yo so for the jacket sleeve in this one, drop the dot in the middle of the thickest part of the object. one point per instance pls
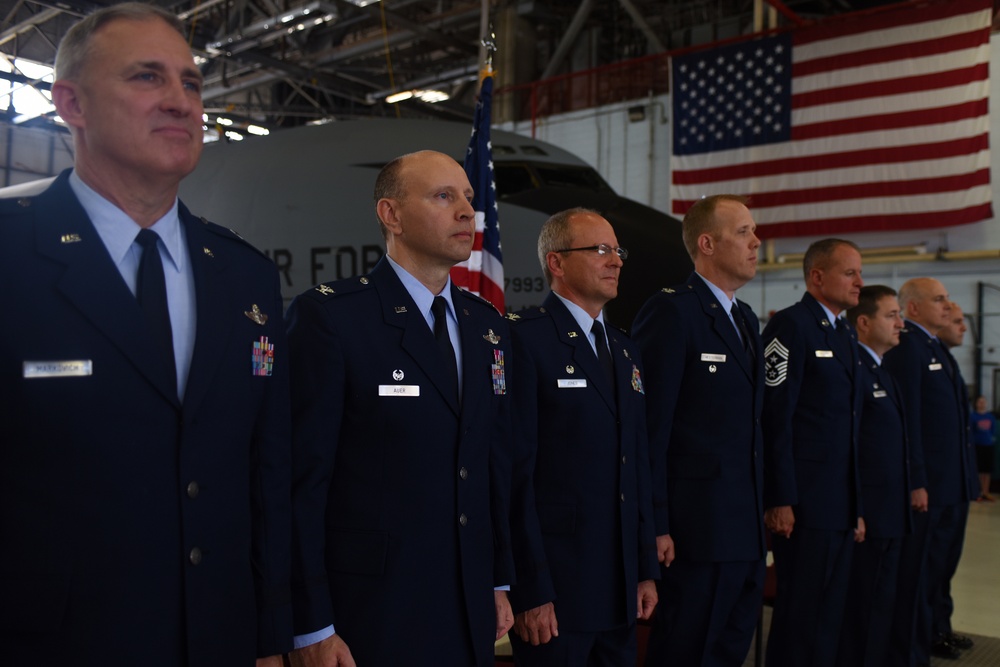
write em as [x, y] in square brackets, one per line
[903, 364]
[784, 363]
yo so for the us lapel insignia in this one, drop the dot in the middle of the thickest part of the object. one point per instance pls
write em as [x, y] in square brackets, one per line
[824, 322]
[491, 337]
[627, 355]
[572, 334]
[70, 238]
[713, 305]
[262, 359]
[257, 316]
[570, 370]
[325, 290]
[637, 380]
[208, 252]
[465, 311]
[497, 369]
[400, 309]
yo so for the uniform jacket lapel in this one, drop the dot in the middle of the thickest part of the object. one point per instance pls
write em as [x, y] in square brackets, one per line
[583, 354]
[844, 352]
[399, 310]
[92, 283]
[213, 311]
[721, 324]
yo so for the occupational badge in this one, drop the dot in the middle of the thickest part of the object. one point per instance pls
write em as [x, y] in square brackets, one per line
[398, 375]
[262, 357]
[256, 315]
[491, 337]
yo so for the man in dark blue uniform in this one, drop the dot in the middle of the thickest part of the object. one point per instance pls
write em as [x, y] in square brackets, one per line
[811, 416]
[883, 463]
[144, 472]
[401, 443]
[937, 416]
[584, 542]
[705, 390]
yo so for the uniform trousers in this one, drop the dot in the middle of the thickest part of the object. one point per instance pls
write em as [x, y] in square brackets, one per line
[707, 613]
[608, 648]
[871, 603]
[812, 572]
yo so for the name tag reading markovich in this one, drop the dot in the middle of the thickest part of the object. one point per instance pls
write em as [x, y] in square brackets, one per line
[399, 390]
[571, 384]
[58, 369]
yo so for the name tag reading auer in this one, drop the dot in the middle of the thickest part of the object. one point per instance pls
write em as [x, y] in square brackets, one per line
[58, 369]
[571, 384]
[399, 390]
[713, 357]
[824, 354]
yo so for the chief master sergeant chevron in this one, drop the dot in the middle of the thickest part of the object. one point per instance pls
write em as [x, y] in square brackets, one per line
[144, 473]
[401, 443]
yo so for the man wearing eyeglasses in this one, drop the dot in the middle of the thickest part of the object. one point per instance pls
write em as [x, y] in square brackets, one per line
[583, 538]
[704, 395]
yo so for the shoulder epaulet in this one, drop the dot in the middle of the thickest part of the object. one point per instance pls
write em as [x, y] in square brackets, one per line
[532, 313]
[476, 297]
[230, 234]
[15, 205]
[325, 291]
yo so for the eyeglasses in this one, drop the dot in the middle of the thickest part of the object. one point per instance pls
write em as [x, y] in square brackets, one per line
[602, 249]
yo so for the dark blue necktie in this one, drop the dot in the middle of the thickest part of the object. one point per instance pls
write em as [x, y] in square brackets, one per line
[440, 309]
[151, 291]
[603, 353]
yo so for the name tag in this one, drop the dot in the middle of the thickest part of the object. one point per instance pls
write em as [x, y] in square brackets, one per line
[713, 357]
[399, 390]
[824, 354]
[934, 367]
[58, 369]
[571, 384]
[880, 393]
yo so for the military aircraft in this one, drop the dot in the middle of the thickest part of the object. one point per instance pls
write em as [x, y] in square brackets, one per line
[304, 197]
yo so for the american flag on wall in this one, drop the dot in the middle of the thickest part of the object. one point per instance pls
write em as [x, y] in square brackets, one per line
[482, 274]
[875, 123]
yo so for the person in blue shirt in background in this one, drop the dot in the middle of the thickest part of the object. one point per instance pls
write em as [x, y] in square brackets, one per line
[983, 425]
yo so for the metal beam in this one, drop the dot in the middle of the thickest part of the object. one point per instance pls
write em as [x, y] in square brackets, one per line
[656, 46]
[575, 26]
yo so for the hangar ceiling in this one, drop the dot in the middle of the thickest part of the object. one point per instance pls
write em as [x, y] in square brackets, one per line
[282, 63]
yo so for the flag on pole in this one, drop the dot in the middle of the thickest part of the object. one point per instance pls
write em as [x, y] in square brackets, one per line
[482, 274]
[880, 122]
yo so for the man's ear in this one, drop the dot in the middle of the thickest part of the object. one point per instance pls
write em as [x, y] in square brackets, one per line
[706, 244]
[66, 98]
[388, 212]
[554, 261]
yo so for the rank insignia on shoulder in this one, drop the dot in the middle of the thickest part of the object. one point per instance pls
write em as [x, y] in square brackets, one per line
[256, 315]
[262, 359]
[775, 363]
[668, 290]
[513, 317]
[491, 337]
[364, 281]
[325, 290]
[637, 380]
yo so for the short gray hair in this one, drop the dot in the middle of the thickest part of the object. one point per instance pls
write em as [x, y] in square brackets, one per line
[74, 49]
[555, 235]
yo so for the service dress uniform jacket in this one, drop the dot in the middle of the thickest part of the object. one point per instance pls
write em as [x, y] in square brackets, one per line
[811, 419]
[705, 403]
[401, 492]
[583, 509]
[937, 417]
[137, 529]
[705, 394]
